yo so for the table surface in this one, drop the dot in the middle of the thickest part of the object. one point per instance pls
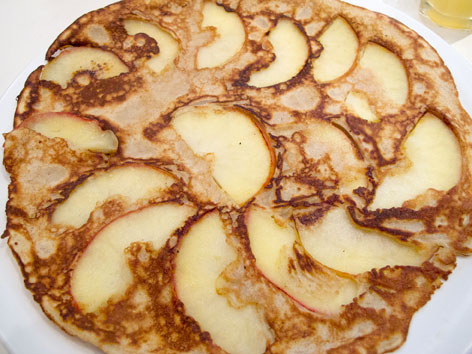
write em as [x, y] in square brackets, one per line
[28, 27]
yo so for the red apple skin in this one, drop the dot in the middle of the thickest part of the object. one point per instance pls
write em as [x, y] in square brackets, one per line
[71, 50]
[37, 117]
[268, 141]
[77, 258]
[127, 164]
[246, 221]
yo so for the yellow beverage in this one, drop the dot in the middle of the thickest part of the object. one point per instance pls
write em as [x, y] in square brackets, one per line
[449, 13]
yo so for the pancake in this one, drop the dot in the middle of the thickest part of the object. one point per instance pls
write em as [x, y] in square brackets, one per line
[238, 177]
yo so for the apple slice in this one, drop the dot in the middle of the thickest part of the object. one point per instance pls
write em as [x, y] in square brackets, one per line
[358, 104]
[239, 152]
[62, 69]
[433, 160]
[337, 242]
[291, 53]
[230, 36]
[79, 132]
[133, 182]
[340, 48]
[203, 256]
[102, 272]
[272, 244]
[168, 45]
[387, 71]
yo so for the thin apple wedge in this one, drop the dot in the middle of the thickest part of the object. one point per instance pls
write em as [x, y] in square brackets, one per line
[315, 287]
[62, 69]
[238, 150]
[203, 256]
[359, 105]
[337, 242]
[230, 36]
[387, 71]
[291, 53]
[340, 49]
[168, 45]
[79, 132]
[433, 160]
[101, 272]
[133, 182]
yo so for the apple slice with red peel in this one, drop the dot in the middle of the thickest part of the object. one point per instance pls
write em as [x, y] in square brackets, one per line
[132, 182]
[79, 132]
[337, 242]
[291, 53]
[273, 245]
[340, 49]
[168, 45]
[387, 71]
[101, 272]
[203, 255]
[238, 150]
[62, 69]
[230, 36]
[433, 160]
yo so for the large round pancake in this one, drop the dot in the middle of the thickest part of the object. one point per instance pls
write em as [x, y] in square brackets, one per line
[377, 320]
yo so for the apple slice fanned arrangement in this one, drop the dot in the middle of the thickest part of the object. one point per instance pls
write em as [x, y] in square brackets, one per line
[238, 177]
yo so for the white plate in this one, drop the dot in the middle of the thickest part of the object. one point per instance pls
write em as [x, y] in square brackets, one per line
[444, 325]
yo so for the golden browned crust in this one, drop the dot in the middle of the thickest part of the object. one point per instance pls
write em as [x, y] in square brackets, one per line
[139, 105]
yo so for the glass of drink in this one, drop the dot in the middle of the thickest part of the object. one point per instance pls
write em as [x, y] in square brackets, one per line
[449, 13]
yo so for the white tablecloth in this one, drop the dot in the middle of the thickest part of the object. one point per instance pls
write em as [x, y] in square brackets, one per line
[28, 27]
[460, 40]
